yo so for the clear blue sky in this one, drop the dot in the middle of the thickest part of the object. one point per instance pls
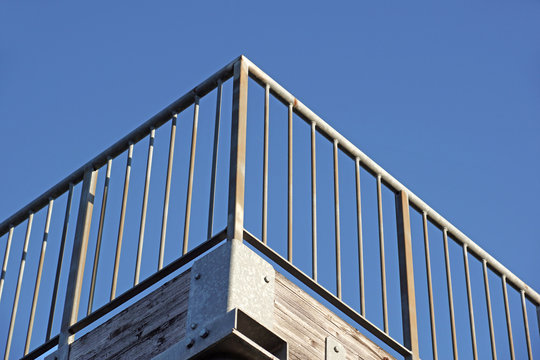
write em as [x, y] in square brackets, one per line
[443, 95]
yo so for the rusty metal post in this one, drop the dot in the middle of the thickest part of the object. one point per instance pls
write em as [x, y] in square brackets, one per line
[406, 275]
[235, 217]
[78, 258]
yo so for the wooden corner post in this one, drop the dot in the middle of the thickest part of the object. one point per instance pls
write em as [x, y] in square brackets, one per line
[78, 258]
[406, 275]
[235, 216]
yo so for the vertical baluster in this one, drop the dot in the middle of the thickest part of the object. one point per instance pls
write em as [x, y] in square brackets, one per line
[78, 260]
[526, 324]
[38, 277]
[313, 202]
[167, 194]
[99, 236]
[144, 205]
[488, 306]
[430, 287]
[214, 162]
[264, 219]
[508, 321]
[122, 222]
[336, 219]
[190, 176]
[470, 302]
[18, 288]
[406, 276]
[6, 258]
[290, 185]
[381, 254]
[59, 262]
[237, 173]
[360, 239]
[450, 296]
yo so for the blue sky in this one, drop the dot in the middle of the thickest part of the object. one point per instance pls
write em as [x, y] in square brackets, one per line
[444, 96]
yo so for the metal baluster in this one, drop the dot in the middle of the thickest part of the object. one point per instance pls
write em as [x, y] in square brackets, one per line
[264, 219]
[6, 258]
[190, 176]
[214, 162]
[381, 254]
[313, 202]
[430, 287]
[167, 194]
[290, 185]
[59, 263]
[470, 301]
[450, 296]
[99, 236]
[18, 288]
[508, 321]
[144, 205]
[526, 324]
[360, 240]
[488, 306]
[38, 277]
[122, 222]
[336, 219]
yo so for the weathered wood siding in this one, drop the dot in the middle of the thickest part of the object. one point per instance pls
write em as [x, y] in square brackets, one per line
[157, 321]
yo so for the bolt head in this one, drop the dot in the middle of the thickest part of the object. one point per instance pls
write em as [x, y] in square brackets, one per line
[197, 276]
[193, 326]
[267, 279]
[204, 333]
[190, 343]
[336, 348]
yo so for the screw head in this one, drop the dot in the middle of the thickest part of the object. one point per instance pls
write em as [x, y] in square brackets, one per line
[267, 279]
[197, 276]
[193, 326]
[190, 343]
[204, 333]
[336, 348]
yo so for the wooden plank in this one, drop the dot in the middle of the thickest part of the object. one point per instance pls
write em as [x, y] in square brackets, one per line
[305, 323]
[143, 330]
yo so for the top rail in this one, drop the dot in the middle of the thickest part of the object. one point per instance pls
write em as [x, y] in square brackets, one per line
[331, 134]
[120, 146]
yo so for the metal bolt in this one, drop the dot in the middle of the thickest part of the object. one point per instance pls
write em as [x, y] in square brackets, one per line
[204, 333]
[197, 276]
[190, 343]
[336, 348]
[267, 279]
[193, 326]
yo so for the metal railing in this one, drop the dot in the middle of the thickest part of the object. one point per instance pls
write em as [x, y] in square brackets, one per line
[242, 70]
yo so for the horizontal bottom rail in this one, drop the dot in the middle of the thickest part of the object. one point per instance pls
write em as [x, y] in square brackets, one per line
[328, 296]
[42, 349]
[151, 280]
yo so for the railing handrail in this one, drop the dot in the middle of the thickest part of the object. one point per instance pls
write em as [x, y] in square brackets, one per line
[120, 146]
[330, 133]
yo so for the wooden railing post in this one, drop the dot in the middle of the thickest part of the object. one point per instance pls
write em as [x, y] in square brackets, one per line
[406, 275]
[78, 258]
[235, 217]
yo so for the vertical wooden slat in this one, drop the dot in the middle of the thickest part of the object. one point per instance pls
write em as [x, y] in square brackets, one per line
[430, 287]
[490, 314]
[235, 217]
[264, 220]
[214, 162]
[122, 222]
[360, 239]
[167, 194]
[470, 302]
[450, 295]
[336, 220]
[406, 276]
[187, 218]
[526, 324]
[59, 262]
[144, 205]
[508, 320]
[6, 258]
[18, 288]
[38, 277]
[313, 202]
[381, 254]
[290, 184]
[78, 259]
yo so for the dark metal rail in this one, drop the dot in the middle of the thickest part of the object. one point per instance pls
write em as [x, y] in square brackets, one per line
[241, 69]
